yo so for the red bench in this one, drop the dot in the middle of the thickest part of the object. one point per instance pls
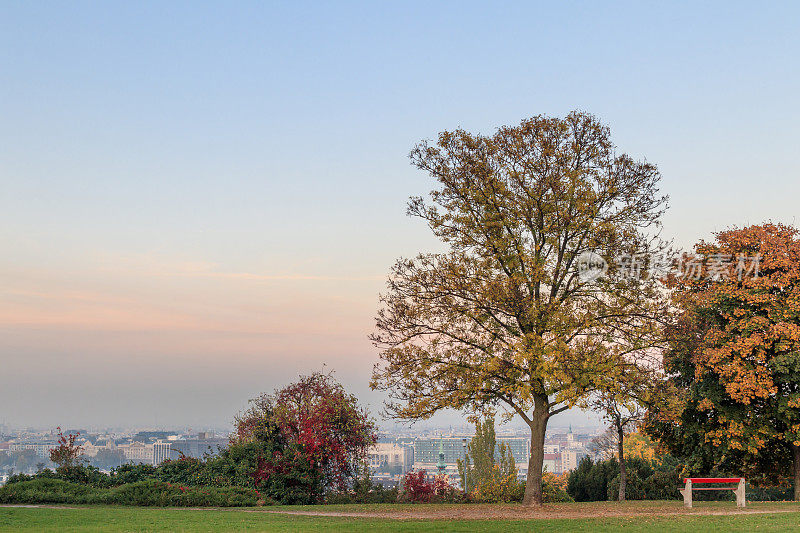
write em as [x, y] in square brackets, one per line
[738, 490]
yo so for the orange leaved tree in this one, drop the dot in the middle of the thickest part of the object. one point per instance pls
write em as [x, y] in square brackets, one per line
[736, 353]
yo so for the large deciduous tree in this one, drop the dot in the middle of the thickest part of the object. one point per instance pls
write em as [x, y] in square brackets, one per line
[502, 317]
[736, 354]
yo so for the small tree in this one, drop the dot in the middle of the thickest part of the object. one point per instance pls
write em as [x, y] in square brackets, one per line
[328, 423]
[67, 454]
[419, 489]
[314, 421]
[590, 480]
[623, 418]
[622, 398]
[488, 479]
[604, 446]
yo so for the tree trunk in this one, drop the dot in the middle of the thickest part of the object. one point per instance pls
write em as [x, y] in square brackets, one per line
[533, 483]
[623, 471]
[796, 465]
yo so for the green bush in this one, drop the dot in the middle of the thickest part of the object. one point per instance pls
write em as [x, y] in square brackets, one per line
[364, 493]
[160, 494]
[769, 494]
[141, 493]
[646, 480]
[663, 484]
[46, 490]
[552, 491]
[85, 474]
[589, 481]
[131, 473]
[639, 471]
[82, 474]
[233, 468]
[16, 478]
[186, 471]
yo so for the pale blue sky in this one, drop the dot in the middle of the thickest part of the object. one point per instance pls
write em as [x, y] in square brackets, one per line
[198, 201]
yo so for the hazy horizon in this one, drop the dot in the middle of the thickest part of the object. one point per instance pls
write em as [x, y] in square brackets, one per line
[199, 203]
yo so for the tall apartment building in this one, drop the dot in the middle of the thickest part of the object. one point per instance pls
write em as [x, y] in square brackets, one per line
[427, 450]
[162, 451]
[569, 460]
[520, 448]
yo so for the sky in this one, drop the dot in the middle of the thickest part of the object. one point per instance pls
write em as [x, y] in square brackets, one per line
[200, 201]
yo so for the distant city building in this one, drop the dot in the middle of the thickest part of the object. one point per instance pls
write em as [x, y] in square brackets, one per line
[519, 447]
[137, 452]
[42, 449]
[198, 448]
[562, 452]
[569, 460]
[391, 458]
[552, 462]
[147, 436]
[161, 452]
[427, 450]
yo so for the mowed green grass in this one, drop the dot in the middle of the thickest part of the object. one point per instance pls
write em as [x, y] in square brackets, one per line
[175, 519]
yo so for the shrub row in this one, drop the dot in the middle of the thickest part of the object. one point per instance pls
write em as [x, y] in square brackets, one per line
[652, 480]
[141, 493]
[599, 481]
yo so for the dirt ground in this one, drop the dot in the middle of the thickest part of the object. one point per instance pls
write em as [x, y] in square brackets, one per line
[568, 510]
[508, 511]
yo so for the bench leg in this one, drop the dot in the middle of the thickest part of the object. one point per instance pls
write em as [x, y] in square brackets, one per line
[740, 494]
[687, 494]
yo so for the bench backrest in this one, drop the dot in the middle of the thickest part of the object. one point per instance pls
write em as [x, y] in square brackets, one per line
[712, 479]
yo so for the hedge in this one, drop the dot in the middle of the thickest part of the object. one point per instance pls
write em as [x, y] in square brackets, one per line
[142, 493]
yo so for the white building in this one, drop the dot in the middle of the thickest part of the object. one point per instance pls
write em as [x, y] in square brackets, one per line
[137, 452]
[41, 449]
[552, 463]
[569, 460]
[386, 456]
[162, 451]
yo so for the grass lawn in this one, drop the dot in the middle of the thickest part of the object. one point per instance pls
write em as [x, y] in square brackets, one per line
[174, 519]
